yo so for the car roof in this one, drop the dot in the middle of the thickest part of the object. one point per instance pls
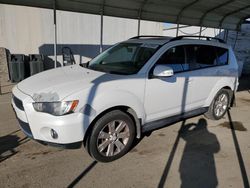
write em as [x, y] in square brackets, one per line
[151, 40]
[161, 40]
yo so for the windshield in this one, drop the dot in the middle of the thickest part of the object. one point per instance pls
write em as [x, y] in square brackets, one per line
[124, 58]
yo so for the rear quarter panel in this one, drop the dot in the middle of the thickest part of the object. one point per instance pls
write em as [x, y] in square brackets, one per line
[228, 77]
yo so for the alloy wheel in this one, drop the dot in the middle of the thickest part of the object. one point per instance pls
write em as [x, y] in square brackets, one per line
[113, 138]
[221, 105]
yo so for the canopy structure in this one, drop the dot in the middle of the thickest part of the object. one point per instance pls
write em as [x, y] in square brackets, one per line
[226, 14]
[223, 14]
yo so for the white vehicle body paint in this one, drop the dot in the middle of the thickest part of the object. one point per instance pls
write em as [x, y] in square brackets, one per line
[150, 99]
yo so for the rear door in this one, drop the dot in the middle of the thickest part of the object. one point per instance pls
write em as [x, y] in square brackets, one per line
[205, 64]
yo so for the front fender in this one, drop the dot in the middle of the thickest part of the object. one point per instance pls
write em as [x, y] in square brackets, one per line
[113, 98]
[101, 101]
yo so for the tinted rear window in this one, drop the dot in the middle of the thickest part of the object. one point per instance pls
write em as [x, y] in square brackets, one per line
[202, 56]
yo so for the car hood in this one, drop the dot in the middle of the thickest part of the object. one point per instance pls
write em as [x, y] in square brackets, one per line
[56, 84]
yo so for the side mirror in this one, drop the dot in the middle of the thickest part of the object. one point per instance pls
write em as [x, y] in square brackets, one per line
[163, 71]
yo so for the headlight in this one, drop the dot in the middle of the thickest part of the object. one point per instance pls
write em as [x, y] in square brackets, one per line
[56, 108]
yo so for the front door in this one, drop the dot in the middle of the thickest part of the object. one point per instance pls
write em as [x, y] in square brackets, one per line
[168, 96]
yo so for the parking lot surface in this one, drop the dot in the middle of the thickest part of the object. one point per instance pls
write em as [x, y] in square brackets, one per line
[194, 153]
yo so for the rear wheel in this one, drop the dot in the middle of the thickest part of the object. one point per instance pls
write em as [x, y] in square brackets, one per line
[111, 137]
[220, 105]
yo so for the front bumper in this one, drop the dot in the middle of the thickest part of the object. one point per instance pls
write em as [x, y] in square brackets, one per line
[75, 145]
[27, 131]
[36, 125]
[25, 128]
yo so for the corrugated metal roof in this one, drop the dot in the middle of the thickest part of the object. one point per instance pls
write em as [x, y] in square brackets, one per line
[228, 14]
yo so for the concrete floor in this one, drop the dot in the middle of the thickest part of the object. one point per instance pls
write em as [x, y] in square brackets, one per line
[204, 153]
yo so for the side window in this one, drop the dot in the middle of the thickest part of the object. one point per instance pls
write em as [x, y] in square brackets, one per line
[222, 56]
[200, 56]
[191, 57]
[205, 56]
[174, 58]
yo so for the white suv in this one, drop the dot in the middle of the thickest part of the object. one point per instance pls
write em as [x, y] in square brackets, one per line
[134, 87]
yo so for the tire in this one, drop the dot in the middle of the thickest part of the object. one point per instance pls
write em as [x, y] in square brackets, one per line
[111, 137]
[219, 105]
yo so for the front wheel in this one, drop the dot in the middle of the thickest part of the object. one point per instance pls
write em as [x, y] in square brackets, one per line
[220, 105]
[111, 137]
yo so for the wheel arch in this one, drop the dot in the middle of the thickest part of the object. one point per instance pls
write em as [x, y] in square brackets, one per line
[126, 109]
[231, 95]
[216, 89]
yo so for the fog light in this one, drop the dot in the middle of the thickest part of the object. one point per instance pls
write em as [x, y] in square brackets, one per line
[53, 134]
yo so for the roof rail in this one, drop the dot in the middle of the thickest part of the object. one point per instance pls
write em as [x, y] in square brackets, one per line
[191, 36]
[147, 36]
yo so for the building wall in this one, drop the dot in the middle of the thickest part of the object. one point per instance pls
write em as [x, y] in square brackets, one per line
[28, 30]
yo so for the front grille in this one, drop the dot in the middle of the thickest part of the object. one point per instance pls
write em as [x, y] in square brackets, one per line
[18, 103]
[26, 128]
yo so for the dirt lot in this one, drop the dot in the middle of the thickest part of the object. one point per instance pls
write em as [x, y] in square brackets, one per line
[203, 153]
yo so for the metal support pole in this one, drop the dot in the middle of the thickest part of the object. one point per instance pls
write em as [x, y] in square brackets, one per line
[220, 33]
[177, 30]
[101, 33]
[200, 31]
[55, 35]
[139, 27]
[227, 35]
[139, 23]
[236, 38]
